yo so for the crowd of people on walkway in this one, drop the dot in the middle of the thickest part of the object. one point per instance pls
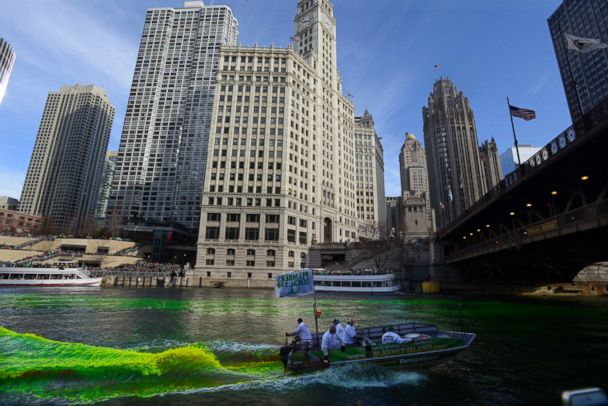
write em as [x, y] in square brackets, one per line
[145, 266]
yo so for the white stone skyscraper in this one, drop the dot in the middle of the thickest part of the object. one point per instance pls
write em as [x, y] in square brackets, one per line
[66, 167]
[369, 164]
[281, 168]
[163, 149]
[7, 60]
[418, 217]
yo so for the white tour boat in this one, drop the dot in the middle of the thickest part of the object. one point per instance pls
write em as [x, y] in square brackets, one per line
[364, 281]
[41, 277]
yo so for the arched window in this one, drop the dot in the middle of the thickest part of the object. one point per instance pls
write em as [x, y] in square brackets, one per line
[271, 253]
[230, 251]
[210, 251]
[251, 252]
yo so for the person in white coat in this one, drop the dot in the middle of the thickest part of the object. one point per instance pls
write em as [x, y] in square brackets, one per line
[303, 332]
[390, 337]
[339, 328]
[331, 340]
[349, 337]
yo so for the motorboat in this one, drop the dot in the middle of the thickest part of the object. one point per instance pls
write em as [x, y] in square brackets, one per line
[424, 345]
[46, 277]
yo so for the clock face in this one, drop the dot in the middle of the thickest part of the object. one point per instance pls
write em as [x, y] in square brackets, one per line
[571, 135]
[326, 21]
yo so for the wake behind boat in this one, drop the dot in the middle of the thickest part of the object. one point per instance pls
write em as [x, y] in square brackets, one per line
[46, 277]
[426, 346]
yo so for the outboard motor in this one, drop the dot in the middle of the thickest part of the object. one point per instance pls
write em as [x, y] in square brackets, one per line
[284, 354]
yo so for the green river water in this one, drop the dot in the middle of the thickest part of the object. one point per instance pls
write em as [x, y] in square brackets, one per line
[219, 346]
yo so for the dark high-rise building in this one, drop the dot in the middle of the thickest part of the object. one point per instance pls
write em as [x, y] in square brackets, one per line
[456, 179]
[587, 71]
[160, 168]
[65, 170]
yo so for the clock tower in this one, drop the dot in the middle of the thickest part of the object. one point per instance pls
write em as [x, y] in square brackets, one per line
[315, 36]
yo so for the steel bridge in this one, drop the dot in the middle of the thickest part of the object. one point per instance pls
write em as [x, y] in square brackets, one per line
[546, 220]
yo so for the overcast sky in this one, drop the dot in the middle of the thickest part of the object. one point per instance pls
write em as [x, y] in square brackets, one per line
[387, 50]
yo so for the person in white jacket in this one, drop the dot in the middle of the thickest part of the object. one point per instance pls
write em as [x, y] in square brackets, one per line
[339, 328]
[349, 337]
[330, 340]
[303, 332]
[391, 337]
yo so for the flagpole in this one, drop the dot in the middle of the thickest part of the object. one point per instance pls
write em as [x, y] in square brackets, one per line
[316, 320]
[514, 135]
[574, 82]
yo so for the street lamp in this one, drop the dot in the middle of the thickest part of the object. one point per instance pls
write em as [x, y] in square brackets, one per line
[554, 193]
[584, 178]
[511, 213]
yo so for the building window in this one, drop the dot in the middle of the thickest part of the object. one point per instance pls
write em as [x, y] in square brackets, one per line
[252, 234]
[253, 218]
[303, 237]
[271, 253]
[212, 233]
[272, 218]
[230, 251]
[230, 262]
[269, 275]
[272, 234]
[232, 233]
[210, 251]
[290, 264]
[234, 217]
[210, 262]
[213, 216]
[208, 274]
[291, 220]
[291, 254]
[249, 275]
[250, 263]
[270, 264]
[291, 235]
[229, 274]
[250, 252]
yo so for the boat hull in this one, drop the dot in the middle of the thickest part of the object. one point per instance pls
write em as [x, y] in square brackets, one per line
[92, 282]
[14, 277]
[436, 347]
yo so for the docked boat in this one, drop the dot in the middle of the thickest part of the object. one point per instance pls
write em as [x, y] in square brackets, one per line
[43, 277]
[361, 281]
[425, 345]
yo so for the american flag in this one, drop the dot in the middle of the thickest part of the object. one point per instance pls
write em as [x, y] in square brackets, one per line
[526, 114]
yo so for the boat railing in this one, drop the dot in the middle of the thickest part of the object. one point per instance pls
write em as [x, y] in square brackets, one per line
[374, 334]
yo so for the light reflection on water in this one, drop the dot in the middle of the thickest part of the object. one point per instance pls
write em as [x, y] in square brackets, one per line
[528, 350]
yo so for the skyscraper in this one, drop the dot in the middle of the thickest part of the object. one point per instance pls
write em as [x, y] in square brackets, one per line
[412, 166]
[490, 163]
[417, 213]
[369, 164]
[163, 149]
[7, 60]
[508, 159]
[456, 179]
[64, 174]
[281, 167]
[109, 166]
[587, 71]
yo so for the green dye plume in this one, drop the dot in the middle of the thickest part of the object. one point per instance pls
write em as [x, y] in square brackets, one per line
[35, 366]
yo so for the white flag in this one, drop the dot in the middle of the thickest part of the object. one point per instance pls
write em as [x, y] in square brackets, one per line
[584, 45]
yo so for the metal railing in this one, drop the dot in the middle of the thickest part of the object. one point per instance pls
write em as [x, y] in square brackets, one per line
[597, 116]
[518, 236]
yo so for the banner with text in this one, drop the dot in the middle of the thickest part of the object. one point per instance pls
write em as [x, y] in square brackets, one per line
[294, 284]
